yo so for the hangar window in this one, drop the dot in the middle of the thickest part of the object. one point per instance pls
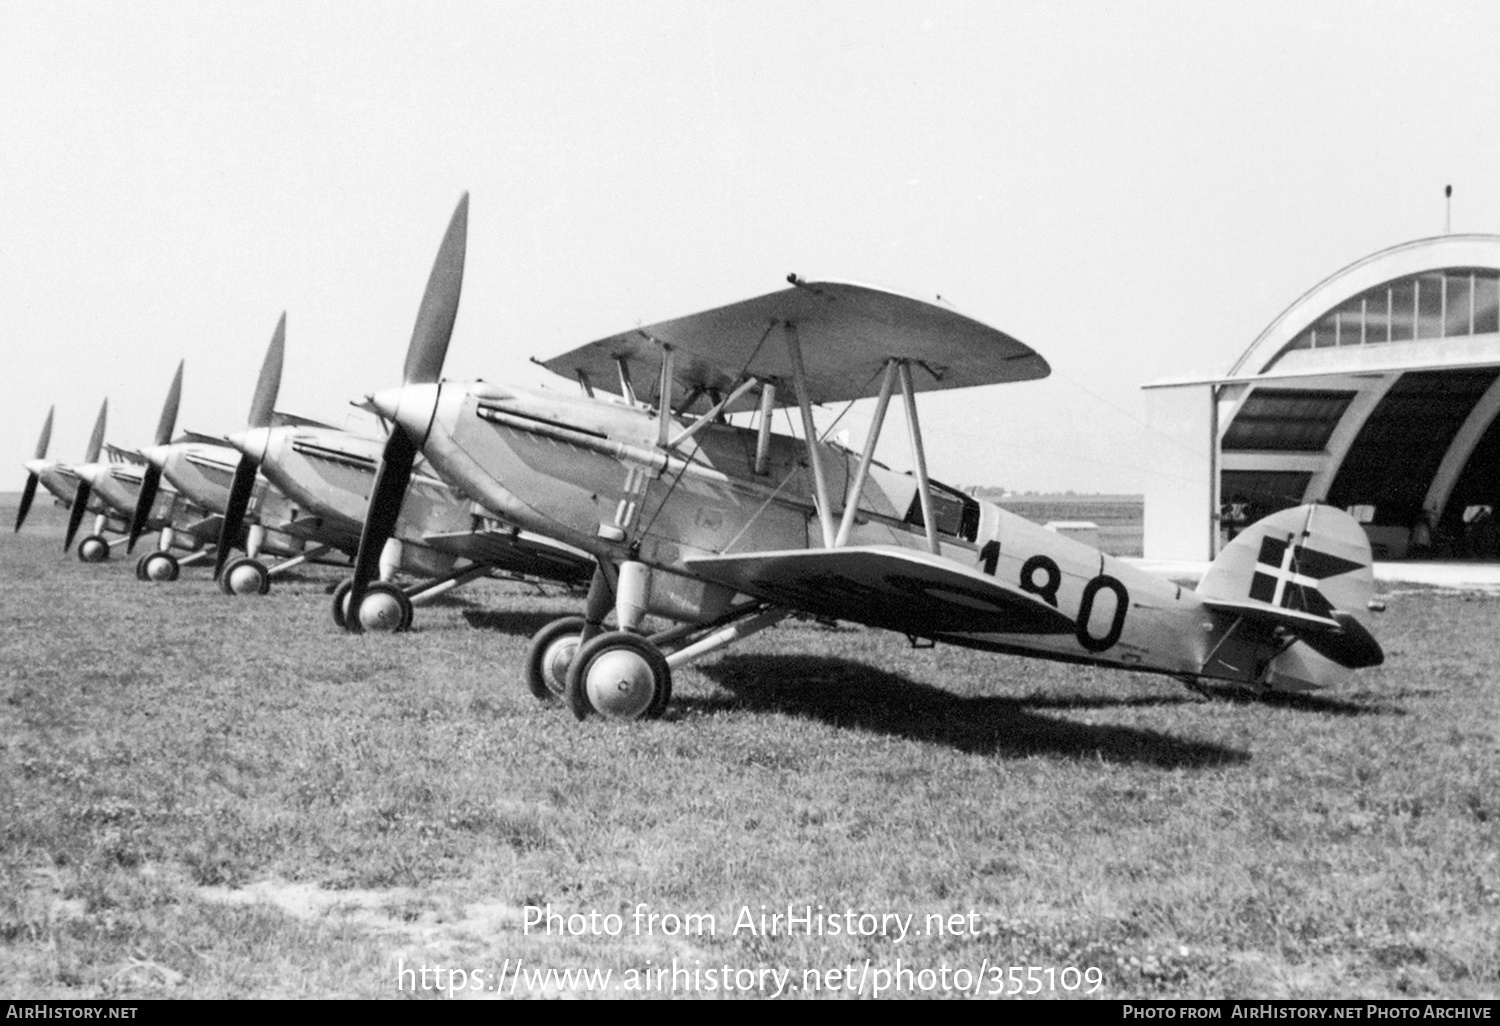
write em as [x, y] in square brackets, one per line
[1262, 492]
[1448, 303]
[1286, 420]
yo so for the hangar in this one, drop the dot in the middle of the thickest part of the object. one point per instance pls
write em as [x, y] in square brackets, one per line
[1377, 391]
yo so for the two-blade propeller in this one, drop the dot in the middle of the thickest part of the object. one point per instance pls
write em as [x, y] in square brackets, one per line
[424, 365]
[81, 498]
[32, 477]
[151, 480]
[262, 406]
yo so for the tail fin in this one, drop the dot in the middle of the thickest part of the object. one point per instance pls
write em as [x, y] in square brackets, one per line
[1305, 572]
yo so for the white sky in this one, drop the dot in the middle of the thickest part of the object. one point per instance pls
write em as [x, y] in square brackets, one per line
[1134, 189]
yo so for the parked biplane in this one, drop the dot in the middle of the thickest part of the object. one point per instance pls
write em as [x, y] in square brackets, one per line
[105, 488]
[203, 469]
[126, 485]
[326, 473]
[726, 529]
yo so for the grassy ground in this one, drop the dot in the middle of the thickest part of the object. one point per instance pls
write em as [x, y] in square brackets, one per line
[212, 797]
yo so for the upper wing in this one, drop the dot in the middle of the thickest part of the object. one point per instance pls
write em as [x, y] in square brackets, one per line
[118, 454]
[847, 333]
[904, 590]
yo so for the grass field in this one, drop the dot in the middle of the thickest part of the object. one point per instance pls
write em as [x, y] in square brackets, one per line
[212, 797]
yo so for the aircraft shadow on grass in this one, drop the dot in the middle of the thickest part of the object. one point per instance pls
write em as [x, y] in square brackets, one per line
[847, 694]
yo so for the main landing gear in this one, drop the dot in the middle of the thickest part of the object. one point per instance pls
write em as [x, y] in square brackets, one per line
[624, 674]
[389, 607]
[385, 607]
[249, 576]
[93, 549]
[157, 566]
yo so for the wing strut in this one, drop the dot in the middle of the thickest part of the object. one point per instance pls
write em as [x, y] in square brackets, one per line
[763, 433]
[924, 485]
[664, 398]
[708, 418]
[851, 504]
[810, 433]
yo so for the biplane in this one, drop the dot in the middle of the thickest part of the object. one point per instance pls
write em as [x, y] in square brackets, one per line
[326, 473]
[107, 488]
[724, 529]
[265, 523]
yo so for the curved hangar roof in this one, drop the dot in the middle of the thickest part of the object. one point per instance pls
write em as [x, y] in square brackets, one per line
[1378, 388]
[1414, 305]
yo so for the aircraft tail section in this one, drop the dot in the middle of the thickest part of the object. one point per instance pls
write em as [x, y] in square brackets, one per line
[1300, 575]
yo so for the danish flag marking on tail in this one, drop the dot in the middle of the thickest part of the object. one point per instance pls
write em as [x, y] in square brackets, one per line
[1287, 575]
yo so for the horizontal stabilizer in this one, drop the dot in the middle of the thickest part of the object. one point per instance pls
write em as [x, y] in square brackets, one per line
[897, 589]
[1306, 570]
[1338, 636]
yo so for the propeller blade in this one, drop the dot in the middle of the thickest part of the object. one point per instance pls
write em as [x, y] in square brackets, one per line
[42, 442]
[429, 339]
[380, 522]
[269, 383]
[150, 482]
[234, 513]
[96, 440]
[26, 496]
[75, 515]
[168, 422]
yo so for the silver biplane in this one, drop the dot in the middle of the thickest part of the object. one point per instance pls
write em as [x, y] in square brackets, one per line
[326, 475]
[727, 529]
[203, 469]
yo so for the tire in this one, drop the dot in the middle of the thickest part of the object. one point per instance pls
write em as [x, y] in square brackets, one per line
[619, 675]
[341, 602]
[391, 611]
[93, 549]
[548, 653]
[158, 566]
[245, 576]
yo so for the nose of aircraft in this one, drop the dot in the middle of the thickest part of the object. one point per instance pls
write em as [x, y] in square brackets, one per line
[93, 473]
[411, 406]
[253, 442]
[157, 455]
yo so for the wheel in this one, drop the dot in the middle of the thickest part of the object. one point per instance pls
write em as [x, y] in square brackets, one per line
[550, 654]
[157, 566]
[620, 675]
[341, 602]
[93, 549]
[385, 608]
[245, 576]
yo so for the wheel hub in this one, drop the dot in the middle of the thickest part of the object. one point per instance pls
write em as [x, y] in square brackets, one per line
[621, 684]
[158, 569]
[556, 662]
[380, 612]
[244, 580]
